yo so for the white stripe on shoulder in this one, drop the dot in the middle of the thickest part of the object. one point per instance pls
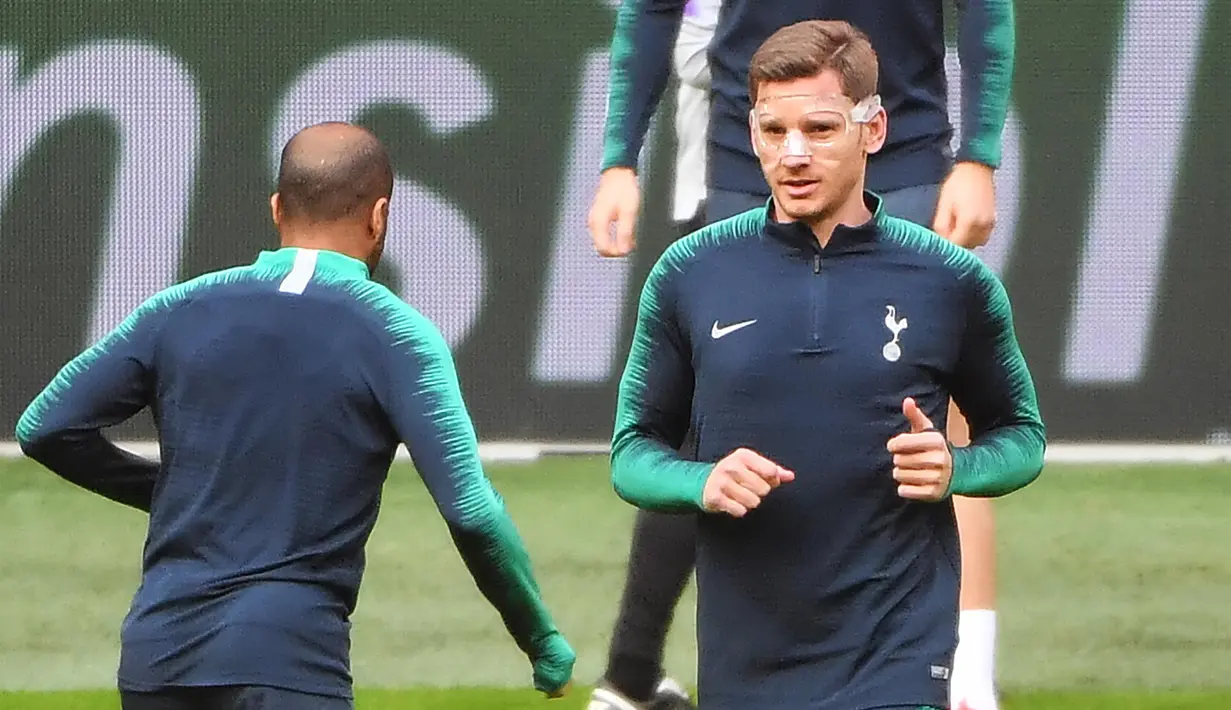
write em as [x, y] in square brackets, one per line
[301, 272]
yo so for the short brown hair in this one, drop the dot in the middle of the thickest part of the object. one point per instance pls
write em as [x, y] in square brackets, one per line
[808, 48]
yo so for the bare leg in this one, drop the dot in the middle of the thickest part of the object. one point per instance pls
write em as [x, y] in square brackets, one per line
[974, 666]
[976, 527]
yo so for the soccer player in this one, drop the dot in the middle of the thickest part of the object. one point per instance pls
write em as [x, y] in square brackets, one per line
[281, 391]
[915, 174]
[807, 346]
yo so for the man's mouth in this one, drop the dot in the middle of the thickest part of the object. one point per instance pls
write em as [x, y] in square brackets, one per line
[799, 187]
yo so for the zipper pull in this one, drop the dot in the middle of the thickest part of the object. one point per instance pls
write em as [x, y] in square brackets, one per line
[816, 263]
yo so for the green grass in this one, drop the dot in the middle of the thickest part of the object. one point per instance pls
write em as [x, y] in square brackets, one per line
[1112, 579]
[488, 698]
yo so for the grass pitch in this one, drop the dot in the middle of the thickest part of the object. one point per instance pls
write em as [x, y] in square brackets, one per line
[1113, 591]
[490, 698]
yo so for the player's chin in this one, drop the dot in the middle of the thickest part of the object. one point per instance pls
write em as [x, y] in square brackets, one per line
[802, 208]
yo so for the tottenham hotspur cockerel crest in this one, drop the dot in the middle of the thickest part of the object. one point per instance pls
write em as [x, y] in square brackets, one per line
[892, 351]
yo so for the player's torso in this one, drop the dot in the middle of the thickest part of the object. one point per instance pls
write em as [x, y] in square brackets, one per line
[791, 346]
[275, 452]
[844, 589]
[903, 32]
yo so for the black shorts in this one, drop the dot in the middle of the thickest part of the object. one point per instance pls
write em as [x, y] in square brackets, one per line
[239, 697]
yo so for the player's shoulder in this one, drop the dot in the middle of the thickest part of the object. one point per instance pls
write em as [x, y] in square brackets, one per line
[378, 299]
[401, 322]
[711, 241]
[932, 249]
[196, 287]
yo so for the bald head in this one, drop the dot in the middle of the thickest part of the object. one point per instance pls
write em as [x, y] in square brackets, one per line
[333, 172]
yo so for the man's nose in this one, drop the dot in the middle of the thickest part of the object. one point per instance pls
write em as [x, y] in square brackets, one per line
[796, 160]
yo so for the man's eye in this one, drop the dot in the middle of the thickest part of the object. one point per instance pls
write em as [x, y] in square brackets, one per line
[823, 128]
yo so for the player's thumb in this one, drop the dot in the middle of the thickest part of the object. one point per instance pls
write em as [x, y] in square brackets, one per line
[918, 420]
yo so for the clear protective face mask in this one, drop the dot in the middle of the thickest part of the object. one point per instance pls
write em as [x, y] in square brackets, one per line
[808, 125]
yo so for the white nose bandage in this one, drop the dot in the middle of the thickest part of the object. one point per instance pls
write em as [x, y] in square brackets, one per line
[796, 145]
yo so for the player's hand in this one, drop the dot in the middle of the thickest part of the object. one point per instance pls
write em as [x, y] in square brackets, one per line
[562, 692]
[739, 482]
[966, 208]
[922, 462]
[617, 200]
[553, 667]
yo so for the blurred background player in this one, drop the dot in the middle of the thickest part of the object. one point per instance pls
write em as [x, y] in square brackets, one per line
[663, 562]
[916, 173]
[281, 392]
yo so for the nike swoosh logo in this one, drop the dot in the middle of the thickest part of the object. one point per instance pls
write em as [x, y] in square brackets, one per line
[717, 332]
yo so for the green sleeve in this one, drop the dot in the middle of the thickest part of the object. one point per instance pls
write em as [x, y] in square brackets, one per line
[986, 48]
[993, 388]
[425, 405]
[641, 47]
[655, 403]
[107, 384]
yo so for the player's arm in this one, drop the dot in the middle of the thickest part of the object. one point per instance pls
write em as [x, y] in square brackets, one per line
[992, 386]
[986, 48]
[425, 405]
[641, 54]
[654, 404]
[103, 386]
[640, 62]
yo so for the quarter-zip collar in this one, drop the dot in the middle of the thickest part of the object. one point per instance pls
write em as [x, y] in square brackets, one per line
[845, 238]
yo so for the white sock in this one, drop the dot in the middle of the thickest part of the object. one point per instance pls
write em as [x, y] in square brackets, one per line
[974, 663]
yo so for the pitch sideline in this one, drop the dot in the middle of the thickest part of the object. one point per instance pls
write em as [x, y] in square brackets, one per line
[511, 452]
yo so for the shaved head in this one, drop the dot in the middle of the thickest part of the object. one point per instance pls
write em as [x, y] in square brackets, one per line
[333, 172]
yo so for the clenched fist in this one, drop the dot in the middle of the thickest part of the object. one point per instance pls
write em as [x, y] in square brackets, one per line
[617, 202]
[739, 482]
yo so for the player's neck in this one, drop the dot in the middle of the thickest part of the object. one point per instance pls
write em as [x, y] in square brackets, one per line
[851, 213]
[341, 239]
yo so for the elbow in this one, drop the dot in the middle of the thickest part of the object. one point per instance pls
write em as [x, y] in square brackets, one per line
[633, 494]
[1032, 473]
[621, 481]
[32, 449]
[32, 438]
[619, 484]
[1039, 431]
[1035, 453]
[632, 486]
[619, 478]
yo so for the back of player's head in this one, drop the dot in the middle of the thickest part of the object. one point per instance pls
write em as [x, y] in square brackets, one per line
[333, 172]
[808, 48]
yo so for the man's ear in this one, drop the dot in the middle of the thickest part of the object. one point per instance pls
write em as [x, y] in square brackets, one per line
[379, 219]
[275, 209]
[875, 132]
